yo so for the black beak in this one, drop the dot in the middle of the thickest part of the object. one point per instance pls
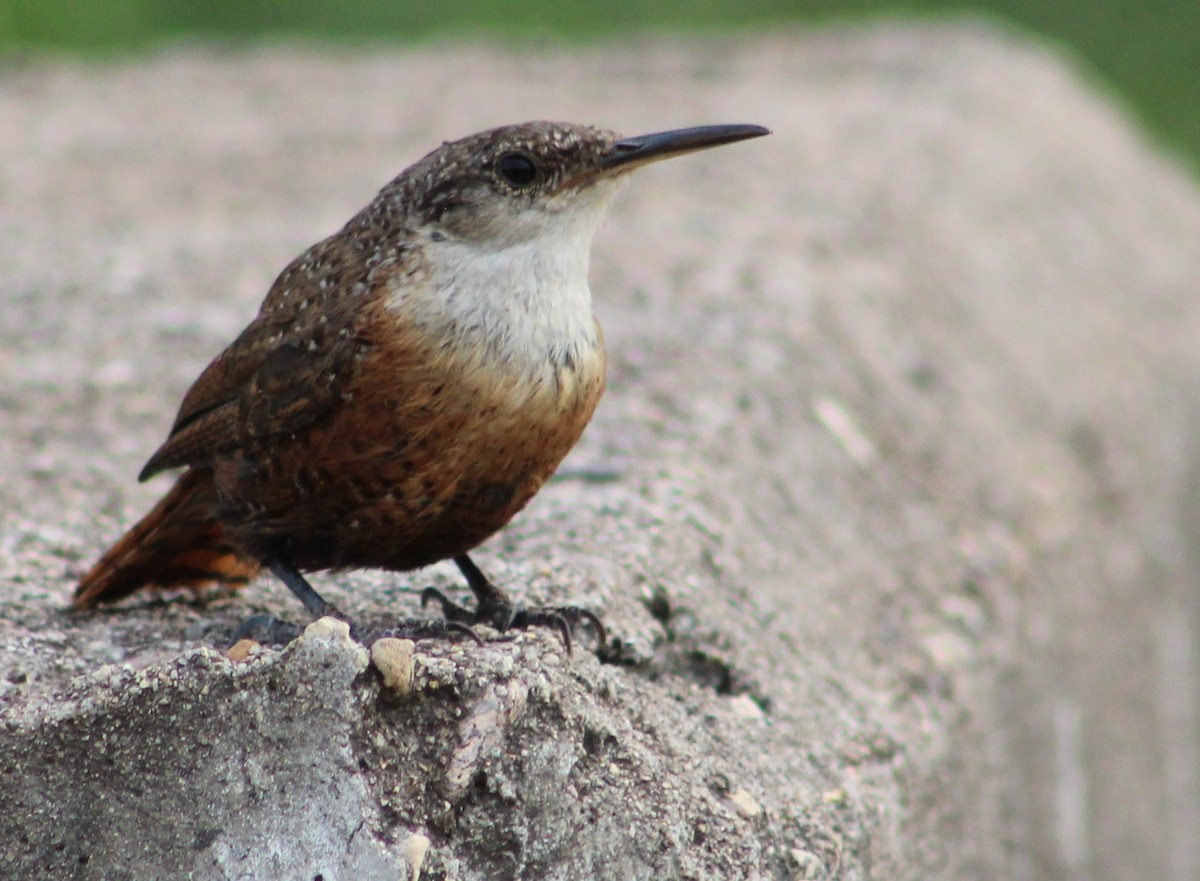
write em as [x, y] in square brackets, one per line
[629, 153]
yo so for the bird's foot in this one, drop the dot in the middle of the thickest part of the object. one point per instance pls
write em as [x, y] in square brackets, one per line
[424, 628]
[269, 630]
[266, 629]
[496, 611]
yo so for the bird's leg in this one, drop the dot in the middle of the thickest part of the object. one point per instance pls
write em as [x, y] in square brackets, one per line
[316, 604]
[494, 608]
[268, 629]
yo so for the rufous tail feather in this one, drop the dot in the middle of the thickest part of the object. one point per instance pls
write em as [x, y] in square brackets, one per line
[178, 544]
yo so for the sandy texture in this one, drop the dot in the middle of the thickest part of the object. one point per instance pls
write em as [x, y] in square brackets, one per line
[893, 498]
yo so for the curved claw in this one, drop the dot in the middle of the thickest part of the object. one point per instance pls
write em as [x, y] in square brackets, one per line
[564, 620]
[459, 627]
[571, 617]
[452, 612]
[564, 629]
[590, 618]
[432, 593]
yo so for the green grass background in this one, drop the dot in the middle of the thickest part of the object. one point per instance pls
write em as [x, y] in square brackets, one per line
[1148, 51]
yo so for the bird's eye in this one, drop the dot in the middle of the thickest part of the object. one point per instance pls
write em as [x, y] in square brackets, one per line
[517, 169]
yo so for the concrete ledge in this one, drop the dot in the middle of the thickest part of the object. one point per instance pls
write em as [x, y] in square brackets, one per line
[893, 497]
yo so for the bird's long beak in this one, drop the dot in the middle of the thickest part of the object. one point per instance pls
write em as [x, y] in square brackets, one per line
[629, 153]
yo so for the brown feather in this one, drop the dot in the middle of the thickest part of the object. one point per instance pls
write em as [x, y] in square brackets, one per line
[340, 429]
[178, 544]
[428, 453]
[283, 371]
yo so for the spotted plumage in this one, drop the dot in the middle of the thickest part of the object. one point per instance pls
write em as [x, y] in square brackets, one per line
[408, 384]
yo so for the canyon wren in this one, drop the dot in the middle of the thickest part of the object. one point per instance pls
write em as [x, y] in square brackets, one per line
[408, 384]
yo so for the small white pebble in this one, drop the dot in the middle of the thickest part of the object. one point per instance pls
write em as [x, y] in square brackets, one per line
[326, 628]
[745, 804]
[745, 707]
[415, 849]
[393, 658]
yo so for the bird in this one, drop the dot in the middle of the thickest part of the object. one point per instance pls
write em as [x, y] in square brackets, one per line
[408, 384]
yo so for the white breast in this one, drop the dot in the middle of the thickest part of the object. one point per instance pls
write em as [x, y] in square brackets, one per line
[524, 308]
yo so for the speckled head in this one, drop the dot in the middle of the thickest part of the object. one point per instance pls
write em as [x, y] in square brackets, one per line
[519, 182]
[503, 222]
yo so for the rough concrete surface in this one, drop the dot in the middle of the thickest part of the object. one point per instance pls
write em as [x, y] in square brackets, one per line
[893, 499]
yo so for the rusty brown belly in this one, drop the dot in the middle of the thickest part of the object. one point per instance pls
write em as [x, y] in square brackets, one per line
[421, 462]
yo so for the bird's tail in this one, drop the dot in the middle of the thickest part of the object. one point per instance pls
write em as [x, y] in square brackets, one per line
[179, 543]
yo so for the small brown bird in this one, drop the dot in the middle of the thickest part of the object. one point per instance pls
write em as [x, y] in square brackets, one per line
[408, 384]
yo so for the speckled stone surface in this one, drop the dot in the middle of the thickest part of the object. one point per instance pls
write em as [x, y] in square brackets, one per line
[892, 500]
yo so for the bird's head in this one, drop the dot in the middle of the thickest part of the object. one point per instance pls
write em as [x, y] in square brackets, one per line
[539, 180]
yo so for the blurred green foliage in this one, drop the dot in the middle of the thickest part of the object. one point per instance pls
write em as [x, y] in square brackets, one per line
[1149, 50]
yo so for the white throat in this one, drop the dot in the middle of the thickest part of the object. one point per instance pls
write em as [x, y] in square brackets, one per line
[525, 306]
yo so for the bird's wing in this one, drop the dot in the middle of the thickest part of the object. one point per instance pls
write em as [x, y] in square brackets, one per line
[285, 370]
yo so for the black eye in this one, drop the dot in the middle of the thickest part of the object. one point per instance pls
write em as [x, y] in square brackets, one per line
[517, 169]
